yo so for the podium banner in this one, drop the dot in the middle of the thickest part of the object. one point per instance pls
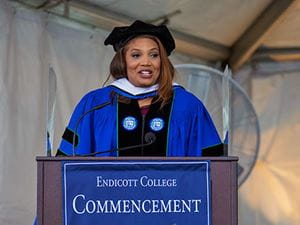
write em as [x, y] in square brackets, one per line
[136, 193]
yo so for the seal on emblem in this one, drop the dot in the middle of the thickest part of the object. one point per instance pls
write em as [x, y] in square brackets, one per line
[129, 123]
[157, 124]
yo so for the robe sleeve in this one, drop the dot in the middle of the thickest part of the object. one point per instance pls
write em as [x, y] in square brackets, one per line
[191, 127]
[203, 134]
[83, 138]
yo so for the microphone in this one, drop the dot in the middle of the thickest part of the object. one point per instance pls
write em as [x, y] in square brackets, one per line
[81, 117]
[150, 138]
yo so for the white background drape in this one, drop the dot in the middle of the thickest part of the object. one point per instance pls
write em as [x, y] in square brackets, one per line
[31, 41]
[271, 193]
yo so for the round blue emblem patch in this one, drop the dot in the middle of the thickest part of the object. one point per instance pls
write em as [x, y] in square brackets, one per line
[157, 124]
[129, 123]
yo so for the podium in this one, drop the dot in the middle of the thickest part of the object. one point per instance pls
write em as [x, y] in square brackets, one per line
[223, 172]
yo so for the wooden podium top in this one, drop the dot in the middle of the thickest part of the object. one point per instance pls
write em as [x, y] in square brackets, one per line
[80, 158]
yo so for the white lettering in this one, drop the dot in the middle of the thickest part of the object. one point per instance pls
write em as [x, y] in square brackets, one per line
[91, 209]
[145, 181]
[74, 204]
[143, 206]
[102, 207]
[177, 207]
[101, 182]
[165, 208]
[196, 201]
[115, 208]
[126, 206]
[136, 206]
[186, 206]
[81, 205]
[155, 206]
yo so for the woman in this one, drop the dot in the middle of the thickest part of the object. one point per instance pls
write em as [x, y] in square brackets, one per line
[143, 100]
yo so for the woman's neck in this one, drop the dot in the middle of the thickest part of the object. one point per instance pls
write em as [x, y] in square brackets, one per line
[144, 102]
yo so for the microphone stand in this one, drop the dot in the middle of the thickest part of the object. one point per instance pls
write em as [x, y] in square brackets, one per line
[150, 138]
[119, 149]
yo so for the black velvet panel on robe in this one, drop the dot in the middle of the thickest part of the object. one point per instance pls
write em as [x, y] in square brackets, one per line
[132, 127]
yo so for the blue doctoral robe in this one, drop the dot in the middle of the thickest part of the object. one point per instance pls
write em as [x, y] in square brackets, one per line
[190, 130]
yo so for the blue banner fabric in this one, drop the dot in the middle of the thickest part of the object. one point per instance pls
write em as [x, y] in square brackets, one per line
[136, 193]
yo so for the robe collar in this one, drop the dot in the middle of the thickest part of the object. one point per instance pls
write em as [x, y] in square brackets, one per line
[125, 88]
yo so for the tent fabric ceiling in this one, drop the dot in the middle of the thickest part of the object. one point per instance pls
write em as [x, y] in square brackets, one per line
[288, 32]
[219, 21]
[228, 31]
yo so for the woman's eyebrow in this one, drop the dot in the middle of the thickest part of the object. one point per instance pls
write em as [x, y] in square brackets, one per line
[137, 49]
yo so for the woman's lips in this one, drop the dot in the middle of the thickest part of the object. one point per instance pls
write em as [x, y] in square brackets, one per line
[145, 73]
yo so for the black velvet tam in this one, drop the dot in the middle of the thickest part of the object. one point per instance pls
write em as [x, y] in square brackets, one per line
[121, 35]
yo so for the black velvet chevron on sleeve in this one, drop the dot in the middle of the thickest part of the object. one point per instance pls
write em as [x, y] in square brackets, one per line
[60, 153]
[68, 136]
[216, 150]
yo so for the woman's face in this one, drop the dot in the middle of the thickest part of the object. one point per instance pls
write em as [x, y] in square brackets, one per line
[142, 58]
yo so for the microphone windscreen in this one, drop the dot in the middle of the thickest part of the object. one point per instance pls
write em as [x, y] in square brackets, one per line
[150, 137]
